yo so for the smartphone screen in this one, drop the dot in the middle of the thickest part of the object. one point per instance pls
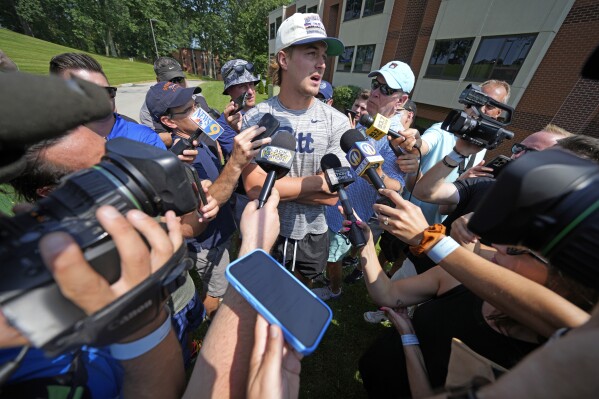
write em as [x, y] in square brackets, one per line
[281, 299]
[271, 124]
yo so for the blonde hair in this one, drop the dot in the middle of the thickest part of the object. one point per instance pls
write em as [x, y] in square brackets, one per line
[557, 131]
[274, 68]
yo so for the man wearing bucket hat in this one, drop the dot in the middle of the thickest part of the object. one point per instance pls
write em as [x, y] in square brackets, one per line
[301, 50]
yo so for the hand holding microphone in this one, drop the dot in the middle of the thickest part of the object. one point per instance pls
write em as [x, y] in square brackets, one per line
[379, 127]
[337, 178]
[276, 160]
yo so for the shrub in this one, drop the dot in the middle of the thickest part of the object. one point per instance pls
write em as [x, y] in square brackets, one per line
[344, 96]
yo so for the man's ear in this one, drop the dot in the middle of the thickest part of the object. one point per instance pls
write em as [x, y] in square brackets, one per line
[282, 58]
[166, 121]
[44, 191]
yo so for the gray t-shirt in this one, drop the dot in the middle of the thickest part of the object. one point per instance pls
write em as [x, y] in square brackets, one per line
[318, 131]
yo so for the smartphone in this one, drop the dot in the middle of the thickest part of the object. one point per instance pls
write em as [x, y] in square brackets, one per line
[352, 113]
[281, 299]
[271, 124]
[497, 164]
[240, 102]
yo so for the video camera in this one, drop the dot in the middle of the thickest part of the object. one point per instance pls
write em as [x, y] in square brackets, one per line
[479, 129]
[131, 175]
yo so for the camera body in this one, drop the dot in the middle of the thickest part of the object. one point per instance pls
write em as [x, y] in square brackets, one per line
[131, 175]
[479, 129]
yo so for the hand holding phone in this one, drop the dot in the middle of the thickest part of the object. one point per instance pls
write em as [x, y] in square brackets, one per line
[497, 164]
[270, 123]
[239, 102]
[350, 112]
[281, 299]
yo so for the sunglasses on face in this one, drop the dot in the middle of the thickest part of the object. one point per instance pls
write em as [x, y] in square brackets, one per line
[111, 91]
[177, 80]
[383, 87]
[186, 111]
[519, 147]
[512, 251]
[238, 69]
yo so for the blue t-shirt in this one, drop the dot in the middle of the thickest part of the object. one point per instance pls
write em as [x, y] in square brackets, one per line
[135, 132]
[440, 143]
[104, 373]
[223, 225]
[362, 194]
[226, 138]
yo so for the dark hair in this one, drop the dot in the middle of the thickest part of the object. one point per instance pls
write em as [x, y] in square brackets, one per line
[584, 146]
[62, 63]
[38, 173]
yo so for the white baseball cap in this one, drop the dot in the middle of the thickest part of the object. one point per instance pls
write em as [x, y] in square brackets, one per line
[305, 28]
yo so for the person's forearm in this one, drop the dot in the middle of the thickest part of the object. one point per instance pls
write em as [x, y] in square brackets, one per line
[520, 298]
[191, 226]
[417, 375]
[225, 184]
[433, 188]
[377, 283]
[290, 188]
[158, 373]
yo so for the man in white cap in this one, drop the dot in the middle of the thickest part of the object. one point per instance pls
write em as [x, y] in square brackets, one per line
[301, 50]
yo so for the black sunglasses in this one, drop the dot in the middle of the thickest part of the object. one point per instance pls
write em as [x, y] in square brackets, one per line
[186, 111]
[178, 80]
[111, 91]
[384, 87]
[519, 147]
[240, 68]
[523, 251]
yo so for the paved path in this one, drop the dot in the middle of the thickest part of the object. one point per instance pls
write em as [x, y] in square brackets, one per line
[131, 96]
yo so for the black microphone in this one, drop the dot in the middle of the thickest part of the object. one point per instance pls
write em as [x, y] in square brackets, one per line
[364, 159]
[337, 178]
[276, 159]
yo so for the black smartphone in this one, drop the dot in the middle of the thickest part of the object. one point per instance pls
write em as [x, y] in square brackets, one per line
[270, 123]
[352, 113]
[497, 164]
[240, 102]
[281, 299]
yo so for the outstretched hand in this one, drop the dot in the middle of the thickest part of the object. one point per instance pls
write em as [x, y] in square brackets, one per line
[274, 366]
[405, 221]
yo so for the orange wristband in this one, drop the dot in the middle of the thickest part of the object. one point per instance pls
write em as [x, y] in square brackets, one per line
[432, 235]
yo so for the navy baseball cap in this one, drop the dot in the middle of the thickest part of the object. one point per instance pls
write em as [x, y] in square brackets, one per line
[326, 89]
[165, 95]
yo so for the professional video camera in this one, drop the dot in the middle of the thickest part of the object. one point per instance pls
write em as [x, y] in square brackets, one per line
[479, 129]
[131, 175]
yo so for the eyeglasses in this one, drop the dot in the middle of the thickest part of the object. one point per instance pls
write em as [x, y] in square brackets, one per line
[384, 87]
[519, 147]
[178, 80]
[512, 251]
[186, 111]
[111, 91]
[240, 68]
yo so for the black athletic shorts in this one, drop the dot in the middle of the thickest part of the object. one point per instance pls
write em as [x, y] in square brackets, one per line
[310, 257]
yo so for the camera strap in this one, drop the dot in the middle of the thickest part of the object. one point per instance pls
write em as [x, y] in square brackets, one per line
[462, 167]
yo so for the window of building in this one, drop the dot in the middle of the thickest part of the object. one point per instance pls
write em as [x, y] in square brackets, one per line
[373, 7]
[345, 60]
[279, 21]
[500, 57]
[313, 10]
[448, 58]
[302, 10]
[364, 57]
[273, 31]
[352, 10]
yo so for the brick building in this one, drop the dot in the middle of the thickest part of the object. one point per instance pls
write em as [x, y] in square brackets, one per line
[538, 46]
[198, 62]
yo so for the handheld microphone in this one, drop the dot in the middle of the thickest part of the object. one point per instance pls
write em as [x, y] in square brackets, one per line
[275, 159]
[207, 125]
[337, 178]
[362, 156]
[380, 127]
[364, 159]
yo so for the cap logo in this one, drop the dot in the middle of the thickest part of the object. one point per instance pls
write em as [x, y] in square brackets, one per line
[323, 85]
[392, 65]
[314, 26]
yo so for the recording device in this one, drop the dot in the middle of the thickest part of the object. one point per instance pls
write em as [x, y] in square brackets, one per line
[353, 114]
[275, 159]
[497, 164]
[131, 175]
[338, 177]
[203, 118]
[239, 102]
[547, 201]
[479, 129]
[281, 299]
[270, 123]
[364, 159]
[380, 127]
